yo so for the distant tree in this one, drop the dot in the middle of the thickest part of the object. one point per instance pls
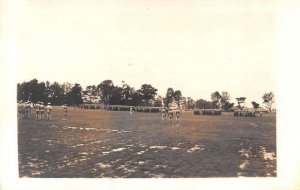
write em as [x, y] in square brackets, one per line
[255, 105]
[225, 96]
[216, 99]
[203, 104]
[190, 103]
[73, 96]
[241, 102]
[56, 97]
[136, 98]
[158, 101]
[31, 91]
[226, 105]
[105, 89]
[147, 92]
[215, 96]
[47, 84]
[177, 96]
[127, 93]
[183, 102]
[169, 96]
[92, 90]
[116, 96]
[67, 87]
[268, 100]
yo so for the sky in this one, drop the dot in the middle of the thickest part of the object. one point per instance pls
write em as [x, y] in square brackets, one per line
[197, 47]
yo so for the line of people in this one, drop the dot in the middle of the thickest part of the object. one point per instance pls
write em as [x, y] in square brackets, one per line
[41, 111]
[170, 113]
[24, 109]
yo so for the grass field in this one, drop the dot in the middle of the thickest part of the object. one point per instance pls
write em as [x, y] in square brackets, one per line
[97, 143]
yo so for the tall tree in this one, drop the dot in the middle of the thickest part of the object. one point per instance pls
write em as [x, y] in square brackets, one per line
[268, 100]
[177, 96]
[225, 98]
[190, 103]
[127, 93]
[105, 88]
[32, 90]
[91, 90]
[169, 96]
[158, 102]
[135, 99]
[116, 96]
[216, 99]
[74, 95]
[67, 87]
[255, 105]
[57, 94]
[147, 92]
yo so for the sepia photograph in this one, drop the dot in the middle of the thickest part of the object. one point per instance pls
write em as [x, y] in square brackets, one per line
[143, 90]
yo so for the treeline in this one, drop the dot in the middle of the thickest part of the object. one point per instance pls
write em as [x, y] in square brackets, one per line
[55, 93]
[111, 94]
[72, 94]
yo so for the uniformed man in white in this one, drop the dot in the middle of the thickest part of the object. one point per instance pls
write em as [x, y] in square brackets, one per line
[42, 109]
[37, 110]
[48, 111]
[65, 108]
[170, 114]
[163, 114]
[131, 110]
[177, 114]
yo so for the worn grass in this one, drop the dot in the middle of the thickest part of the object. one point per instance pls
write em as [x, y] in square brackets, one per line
[95, 143]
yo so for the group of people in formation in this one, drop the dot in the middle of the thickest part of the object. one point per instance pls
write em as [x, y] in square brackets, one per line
[170, 113]
[41, 110]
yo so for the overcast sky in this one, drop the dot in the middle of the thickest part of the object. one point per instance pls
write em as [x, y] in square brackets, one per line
[197, 47]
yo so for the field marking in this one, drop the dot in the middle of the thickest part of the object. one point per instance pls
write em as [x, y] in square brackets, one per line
[118, 149]
[91, 143]
[196, 147]
[90, 129]
[157, 147]
[102, 165]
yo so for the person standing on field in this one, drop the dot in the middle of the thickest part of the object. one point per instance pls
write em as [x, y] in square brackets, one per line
[37, 110]
[48, 110]
[42, 108]
[163, 114]
[170, 114]
[177, 113]
[131, 110]
[65, 110]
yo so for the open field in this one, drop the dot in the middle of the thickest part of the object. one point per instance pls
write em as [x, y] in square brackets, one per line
[97, 143]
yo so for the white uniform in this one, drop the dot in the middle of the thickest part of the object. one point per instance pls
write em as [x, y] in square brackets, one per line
[170, 114]
[42, 108]
[177, 115]
[37, 110]
[48, 110]
[163, 114]
[65, 110]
